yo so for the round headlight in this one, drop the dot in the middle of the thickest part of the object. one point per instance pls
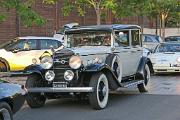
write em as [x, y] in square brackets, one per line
[75, 62]
[49, 75]
[68, 75]
[46, 62]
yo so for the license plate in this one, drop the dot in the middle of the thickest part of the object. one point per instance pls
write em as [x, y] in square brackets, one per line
[59, 85]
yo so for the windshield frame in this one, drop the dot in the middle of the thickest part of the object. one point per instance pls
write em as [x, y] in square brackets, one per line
[66, 44]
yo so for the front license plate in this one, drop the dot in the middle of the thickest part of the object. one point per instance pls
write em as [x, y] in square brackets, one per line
[59, 85]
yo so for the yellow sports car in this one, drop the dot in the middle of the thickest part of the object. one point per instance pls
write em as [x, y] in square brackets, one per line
[17, 54]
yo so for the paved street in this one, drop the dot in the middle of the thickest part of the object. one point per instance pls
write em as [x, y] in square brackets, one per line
[160, 103]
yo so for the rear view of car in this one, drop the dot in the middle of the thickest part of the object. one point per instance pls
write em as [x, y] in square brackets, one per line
[150, 41]
[166, 58]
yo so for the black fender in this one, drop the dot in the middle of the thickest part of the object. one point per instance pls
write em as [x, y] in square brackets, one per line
[46, 53]
[35, 69]
[140, 71]
[106, 69]
[5, 62]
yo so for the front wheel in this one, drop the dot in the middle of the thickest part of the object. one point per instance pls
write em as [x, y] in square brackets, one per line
[35, 100]
[5, 111]
[99, 97]
[147, 76]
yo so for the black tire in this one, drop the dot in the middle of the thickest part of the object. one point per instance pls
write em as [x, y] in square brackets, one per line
[3, 67]
[147, 76]
[35, 100]
[99, 97]
[5, 111]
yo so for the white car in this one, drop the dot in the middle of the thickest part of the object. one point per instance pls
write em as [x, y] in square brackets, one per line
[96, 59]
[166, 58]
[19, 53]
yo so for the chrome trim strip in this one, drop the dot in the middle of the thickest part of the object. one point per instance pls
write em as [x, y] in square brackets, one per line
[59, 90]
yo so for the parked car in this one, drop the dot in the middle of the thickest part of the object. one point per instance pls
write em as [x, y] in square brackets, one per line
[11, 99]
[17, 54]
[172, 39]
[150, 41]
[95, 60]
[60, 34]
[166, 58]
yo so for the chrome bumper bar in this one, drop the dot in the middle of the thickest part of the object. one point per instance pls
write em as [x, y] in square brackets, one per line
[59, 90]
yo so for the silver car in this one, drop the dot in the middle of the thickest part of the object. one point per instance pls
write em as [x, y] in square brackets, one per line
[95, 60]
[151, 41]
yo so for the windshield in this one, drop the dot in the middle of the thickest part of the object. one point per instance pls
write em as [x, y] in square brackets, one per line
[8, 44]
[169, 48]
[20, 45]
[170, 39]
[89, 38]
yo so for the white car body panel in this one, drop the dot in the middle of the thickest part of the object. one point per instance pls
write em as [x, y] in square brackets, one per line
[165, 62]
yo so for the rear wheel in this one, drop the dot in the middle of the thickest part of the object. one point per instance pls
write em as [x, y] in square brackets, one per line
[3, 67]
[147, 76]
[35, 100]
[99, 97]
[5, 111]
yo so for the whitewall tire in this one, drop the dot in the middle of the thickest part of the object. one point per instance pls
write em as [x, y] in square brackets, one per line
[99, 97]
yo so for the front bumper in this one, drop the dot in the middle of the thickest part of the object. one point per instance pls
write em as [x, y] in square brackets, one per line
[160, 69]
[59, 90]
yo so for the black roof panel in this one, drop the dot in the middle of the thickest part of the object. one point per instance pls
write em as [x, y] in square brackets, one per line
[105, 27]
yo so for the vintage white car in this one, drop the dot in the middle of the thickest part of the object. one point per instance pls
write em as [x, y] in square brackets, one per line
[95, 60]
[19, 53]
[166, 58]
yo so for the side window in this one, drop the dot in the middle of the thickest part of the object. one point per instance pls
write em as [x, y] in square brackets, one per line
[47, 44]
[122, 38]
[148, 39]
[135, 37]
[31, 44]
[25, 45]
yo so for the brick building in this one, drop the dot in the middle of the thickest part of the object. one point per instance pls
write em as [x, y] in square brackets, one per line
[54, 20]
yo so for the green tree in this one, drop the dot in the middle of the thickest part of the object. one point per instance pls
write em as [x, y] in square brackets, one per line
[23, 10]
[163, 9]
[98, 5]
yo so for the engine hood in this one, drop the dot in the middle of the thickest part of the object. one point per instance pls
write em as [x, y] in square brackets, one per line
[9, 89]
[91, 50]
[169, 57]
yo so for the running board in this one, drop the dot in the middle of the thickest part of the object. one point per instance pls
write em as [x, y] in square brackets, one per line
[132, 83]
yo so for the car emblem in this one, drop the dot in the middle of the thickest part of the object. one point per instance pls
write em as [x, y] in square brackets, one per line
[63, 61]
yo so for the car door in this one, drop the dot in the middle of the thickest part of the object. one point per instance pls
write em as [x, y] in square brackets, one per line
[123, 50]
[24, 52]
[136, 50]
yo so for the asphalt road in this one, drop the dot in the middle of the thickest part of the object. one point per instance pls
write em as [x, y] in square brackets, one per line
[129, 105]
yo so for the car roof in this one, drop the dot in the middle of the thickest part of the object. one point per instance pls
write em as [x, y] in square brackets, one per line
[170, 43]
[105, 27]
[151, 35]
[38, 38]
[173, 36]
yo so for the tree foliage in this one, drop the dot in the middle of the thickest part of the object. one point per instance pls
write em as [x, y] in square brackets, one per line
[24, 11]
[99, 7]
